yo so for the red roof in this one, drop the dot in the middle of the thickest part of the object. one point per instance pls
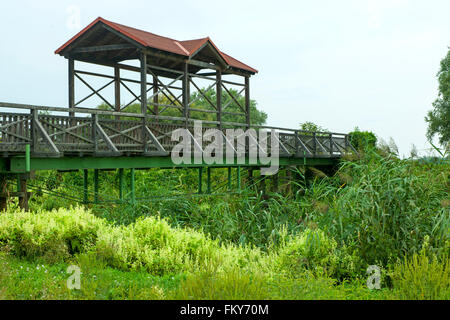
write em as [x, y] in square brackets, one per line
[185, 48]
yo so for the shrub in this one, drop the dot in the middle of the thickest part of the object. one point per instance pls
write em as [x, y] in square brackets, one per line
[362, 140]
[422, 277]
[51, 235]
[314, 251]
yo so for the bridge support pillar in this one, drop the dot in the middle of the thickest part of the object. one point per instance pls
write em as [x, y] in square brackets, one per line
[239, 178]
[200, 179]
[121, 185]
[96, 186]
[208, 180]
[250, 177]
[3, 193]
[85, 185]
[22, 191]
[288, 170]
[275, 182]
[133, 190]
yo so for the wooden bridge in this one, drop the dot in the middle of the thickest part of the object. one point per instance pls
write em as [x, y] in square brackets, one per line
[117, 137]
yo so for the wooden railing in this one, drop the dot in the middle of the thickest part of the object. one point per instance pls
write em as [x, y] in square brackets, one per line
[98, 132]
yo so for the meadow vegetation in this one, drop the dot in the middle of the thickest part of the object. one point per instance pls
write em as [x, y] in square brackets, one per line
[313, 242]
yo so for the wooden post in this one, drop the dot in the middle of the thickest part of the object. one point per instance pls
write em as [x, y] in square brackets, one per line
[117, 90]
[247, 101]
[23, 192]
[155, 96]
[314, 144]
[94, 131]
[144, 98]
[186, 93]
[219, 97]
[331, 144]
[71, 87]
[3, 193]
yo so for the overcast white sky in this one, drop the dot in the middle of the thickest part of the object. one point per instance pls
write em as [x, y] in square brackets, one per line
[340, 64]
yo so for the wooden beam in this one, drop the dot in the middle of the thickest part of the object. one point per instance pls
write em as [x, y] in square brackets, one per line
[219, 97]
[247, 101]
[202, 64]
[144, 98]
[71, 86]
[155, 96]
[108, 47]
[186, 93]
[117, 89]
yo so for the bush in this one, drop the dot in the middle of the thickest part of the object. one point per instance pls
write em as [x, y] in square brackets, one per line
[422, 278]
[314, 251]
[53, 235]
[362, 140]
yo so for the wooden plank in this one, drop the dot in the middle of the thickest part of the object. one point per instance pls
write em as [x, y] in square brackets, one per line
[202, 64]
[105, 137]
[108, 47]
[38, 126]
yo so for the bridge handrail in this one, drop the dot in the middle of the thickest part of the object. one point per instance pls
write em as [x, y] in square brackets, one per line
[148, 116]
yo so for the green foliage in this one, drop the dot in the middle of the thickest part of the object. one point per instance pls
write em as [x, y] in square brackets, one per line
[439, 117]
[389, 207]
[362, 140]
[257, 116]
[314, 251]
[311, 126]
[232, 284]
[422, 278]
[53, 236]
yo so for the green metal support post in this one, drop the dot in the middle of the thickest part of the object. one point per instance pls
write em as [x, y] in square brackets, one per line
[239, 178]
[85, 185]
[121, 186]
[96, 186]
[27, 158]
[208, 180]
[229, 178]
[133, 190]
[200, 179]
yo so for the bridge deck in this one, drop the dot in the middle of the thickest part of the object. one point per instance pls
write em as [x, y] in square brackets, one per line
[96, 133]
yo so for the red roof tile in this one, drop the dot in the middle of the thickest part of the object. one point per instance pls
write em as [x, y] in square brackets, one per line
[147, 39]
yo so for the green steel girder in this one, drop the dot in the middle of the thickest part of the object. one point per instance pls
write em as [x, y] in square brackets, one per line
[21, 164]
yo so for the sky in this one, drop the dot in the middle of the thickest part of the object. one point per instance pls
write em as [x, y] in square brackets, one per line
[340, 64]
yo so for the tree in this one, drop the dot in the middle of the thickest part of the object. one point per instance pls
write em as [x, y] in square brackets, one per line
[439, 117]
[362, 140]
[311, 126]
